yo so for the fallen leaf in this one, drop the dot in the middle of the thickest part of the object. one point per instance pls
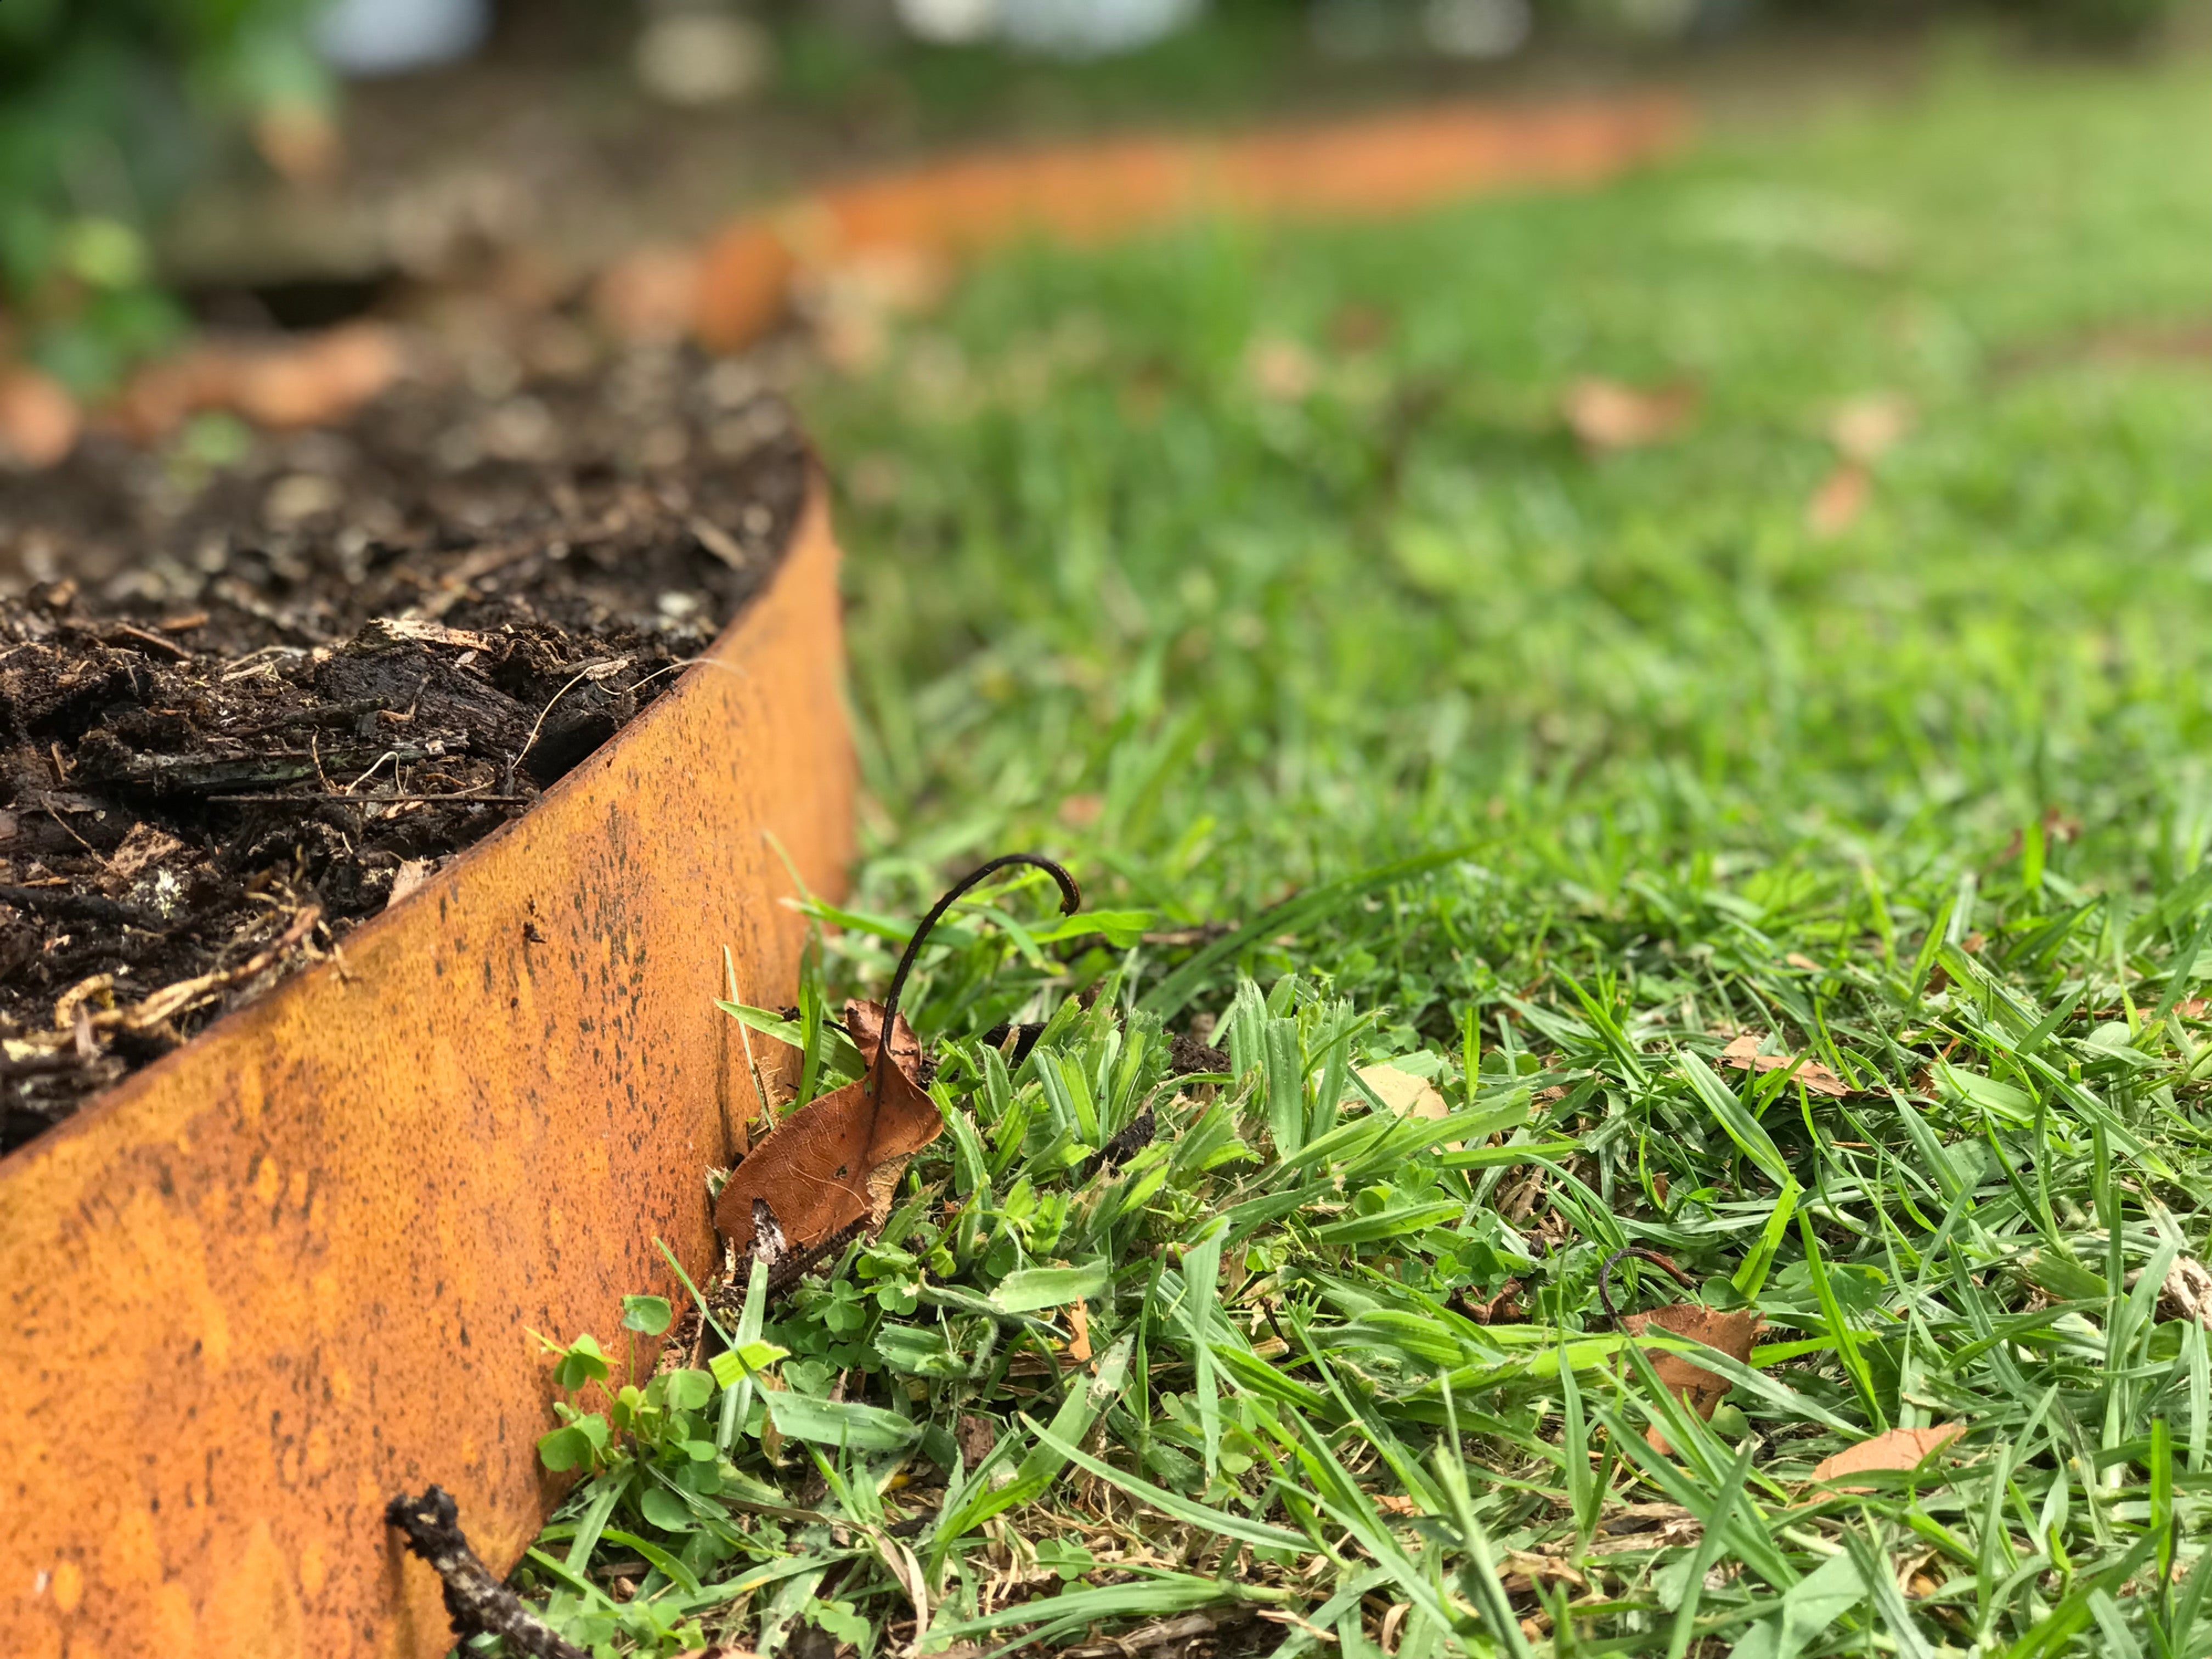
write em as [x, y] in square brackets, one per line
[977, 1434]
[1079, 1327]
[649, 295]
[1407, 1095]
[415, 630]
[299, 141]
[1731, 1333]
[1504, 1308]
[317, 381]
[411, 875]
[813, 1171]
[1391, 1503]
[852, 302]
[1743, 1054]
[1864, 430]
[143, 848]
[2188, 1290]
[1281, 371]
[1893, 1449]
[1358, 326]
[39, 419]
[1645, 1527]
[1837, 504]
[833, 1165]
[1523, 1571]
[1609, 415]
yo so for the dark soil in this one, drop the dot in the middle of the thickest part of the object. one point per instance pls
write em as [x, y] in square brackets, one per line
[254, 689]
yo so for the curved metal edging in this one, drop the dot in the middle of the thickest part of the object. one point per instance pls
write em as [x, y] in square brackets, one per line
[290, 1269]
[1091, 190]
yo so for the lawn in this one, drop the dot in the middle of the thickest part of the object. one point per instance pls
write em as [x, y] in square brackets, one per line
[1256, 574]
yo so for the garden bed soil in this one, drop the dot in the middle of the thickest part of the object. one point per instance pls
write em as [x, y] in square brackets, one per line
[254, 691]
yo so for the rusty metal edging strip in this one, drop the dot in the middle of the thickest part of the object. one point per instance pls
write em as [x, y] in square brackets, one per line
[262, 1285]
[1359, 168]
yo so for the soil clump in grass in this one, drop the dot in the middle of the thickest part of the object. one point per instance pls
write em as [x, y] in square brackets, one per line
[246, 705]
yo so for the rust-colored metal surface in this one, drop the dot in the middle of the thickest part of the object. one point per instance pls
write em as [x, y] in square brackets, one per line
[266, 1283]
[1093, 192]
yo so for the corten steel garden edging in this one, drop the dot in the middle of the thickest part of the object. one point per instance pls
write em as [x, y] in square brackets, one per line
[265, 1284]
[1357, 168]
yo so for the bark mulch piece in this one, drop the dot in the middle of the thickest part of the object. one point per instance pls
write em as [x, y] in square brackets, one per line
[244, 706]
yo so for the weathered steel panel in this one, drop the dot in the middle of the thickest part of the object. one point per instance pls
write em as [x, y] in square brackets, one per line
[258, 1288]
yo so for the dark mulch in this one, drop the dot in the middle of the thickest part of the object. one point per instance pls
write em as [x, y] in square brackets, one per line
[256, 688]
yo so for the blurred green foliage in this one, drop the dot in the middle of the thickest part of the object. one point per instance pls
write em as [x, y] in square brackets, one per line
[107, 110]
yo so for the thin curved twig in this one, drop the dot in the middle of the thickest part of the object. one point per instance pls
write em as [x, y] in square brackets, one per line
[1070, 901]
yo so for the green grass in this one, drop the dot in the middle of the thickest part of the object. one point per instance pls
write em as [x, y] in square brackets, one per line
[1559, 771]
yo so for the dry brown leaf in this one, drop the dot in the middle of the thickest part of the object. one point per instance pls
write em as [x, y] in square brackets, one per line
[1404, 1093]
[1521, 1571]
[1281, 371]
[651, 294]
[1837, 504]
[411, 875]
[299, 141]
[813, 1170]
[1391, 1503]
[1609, 415]
[2187, 1293]
[1893, 1449]
[1407, 1095]
[1078, 1329]
[1731, 1333]
[1645, 1527]
[1743, 1054]
[977, 1435]
[1502, 1308]
[38, 420]
[143, 848]
[821, 1173]
[1866, 429]
[317, 381]
[852, 302]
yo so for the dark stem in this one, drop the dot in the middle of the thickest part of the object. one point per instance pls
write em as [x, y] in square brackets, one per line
[1605, 1267]
[476, 1602]
[1070, 901]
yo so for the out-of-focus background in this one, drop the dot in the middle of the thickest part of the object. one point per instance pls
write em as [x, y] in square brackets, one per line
[290, 163]
[1720, 572]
